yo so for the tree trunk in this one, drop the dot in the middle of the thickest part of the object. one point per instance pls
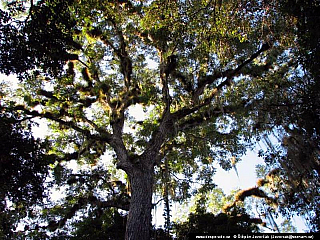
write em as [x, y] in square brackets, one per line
[139, 218]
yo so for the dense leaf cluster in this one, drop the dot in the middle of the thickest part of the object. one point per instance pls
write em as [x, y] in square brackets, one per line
[12, 54]
[23, 165]
[215, 224]
[39, 40]
[23, 171]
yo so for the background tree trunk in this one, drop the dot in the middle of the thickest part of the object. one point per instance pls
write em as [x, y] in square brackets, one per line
[139, 218]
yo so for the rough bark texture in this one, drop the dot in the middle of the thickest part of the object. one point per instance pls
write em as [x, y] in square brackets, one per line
[139, 218]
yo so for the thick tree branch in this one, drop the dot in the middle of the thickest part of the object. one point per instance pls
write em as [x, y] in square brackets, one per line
[228, 74]
[82, 202]
[103, 136]
[166, 67]
[121, 51]
[198, 120]
[48, 94]
[250, 192]
[114, 140]
[167, 126]
[128, 97]
[119, 147]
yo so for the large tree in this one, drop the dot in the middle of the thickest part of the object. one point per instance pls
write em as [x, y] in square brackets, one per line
[85, 65]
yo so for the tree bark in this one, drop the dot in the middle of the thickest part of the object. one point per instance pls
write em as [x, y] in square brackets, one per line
[139, 218]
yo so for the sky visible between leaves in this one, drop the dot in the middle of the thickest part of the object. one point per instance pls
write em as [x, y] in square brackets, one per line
[226, 180]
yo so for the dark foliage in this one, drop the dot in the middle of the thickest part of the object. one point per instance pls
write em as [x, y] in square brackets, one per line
[14, 56]
[41, 40]
[300, 117]
[101, 225]
[22, 165]
[307, 13]
[202, 222]
[23, 170]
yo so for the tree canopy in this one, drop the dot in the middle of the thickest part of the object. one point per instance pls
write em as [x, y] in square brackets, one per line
[212, 78]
